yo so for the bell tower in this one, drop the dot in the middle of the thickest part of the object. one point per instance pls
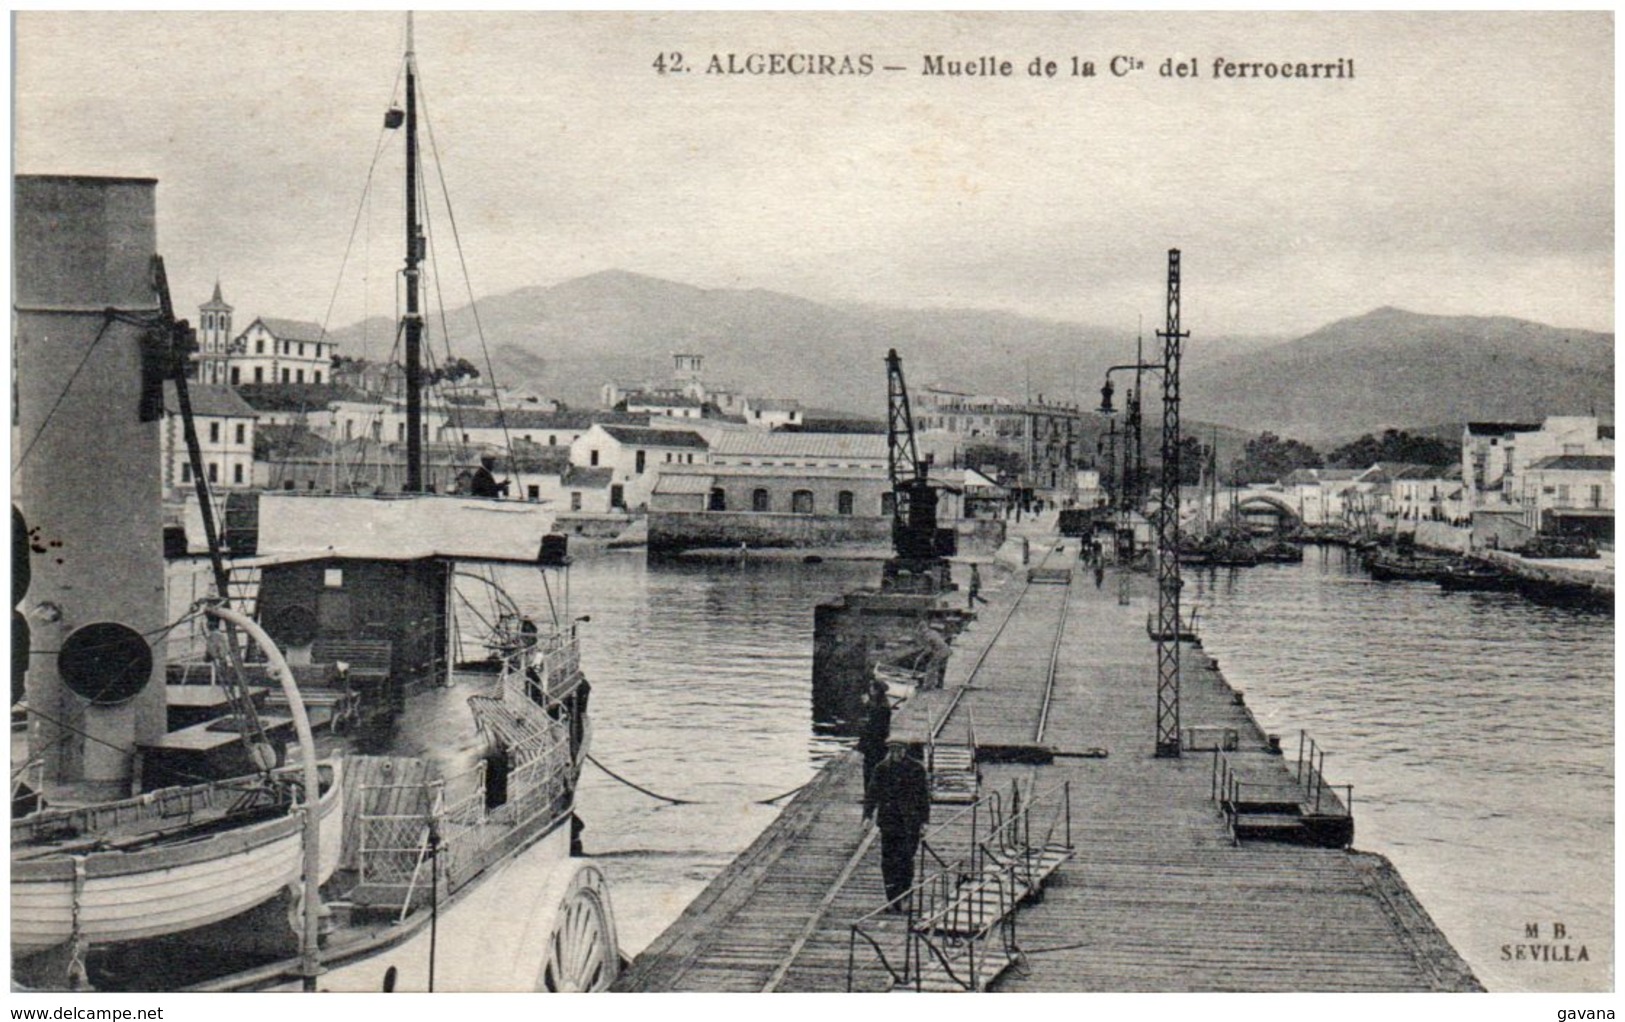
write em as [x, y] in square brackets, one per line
[214, 339]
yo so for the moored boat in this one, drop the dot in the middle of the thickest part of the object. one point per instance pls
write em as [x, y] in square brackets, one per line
[1396, 567]
[1476, 576]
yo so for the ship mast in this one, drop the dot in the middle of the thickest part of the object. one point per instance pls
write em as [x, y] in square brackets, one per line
[413, 322]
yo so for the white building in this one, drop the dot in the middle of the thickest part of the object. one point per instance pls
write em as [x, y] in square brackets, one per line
[635, 454]
[225, 431]
[1495, 455]
[772, 412]
[1570, 493]
[281, 351]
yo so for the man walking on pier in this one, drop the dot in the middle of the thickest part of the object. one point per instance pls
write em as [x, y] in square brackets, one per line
[873, 741]
[974, 589]
[903, 805]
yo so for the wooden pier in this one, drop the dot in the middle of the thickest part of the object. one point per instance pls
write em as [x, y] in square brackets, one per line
[1148, 874]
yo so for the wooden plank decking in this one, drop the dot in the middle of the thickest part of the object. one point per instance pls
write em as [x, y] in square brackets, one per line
[1157, 896]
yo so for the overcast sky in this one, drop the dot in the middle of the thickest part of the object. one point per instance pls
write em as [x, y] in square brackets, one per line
[1467, 168]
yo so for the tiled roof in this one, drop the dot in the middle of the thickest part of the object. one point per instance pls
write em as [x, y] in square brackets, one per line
[208, 399]
[587, 478]
[534, 418]
[644, 400]
[273, 442]
[1501, 428]
[774, 404]
[295, 397]
[1576, 463]
[291, 329]
[643, 436]
[535, 458]
[856, 446]
[684, 483]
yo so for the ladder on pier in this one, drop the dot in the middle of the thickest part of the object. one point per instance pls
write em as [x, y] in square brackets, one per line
[955, 779]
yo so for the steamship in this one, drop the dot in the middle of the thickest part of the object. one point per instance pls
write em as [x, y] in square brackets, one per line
[303, 804]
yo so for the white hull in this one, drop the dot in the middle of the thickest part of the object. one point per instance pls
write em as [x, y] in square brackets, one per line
[492, 939]
[168, 889]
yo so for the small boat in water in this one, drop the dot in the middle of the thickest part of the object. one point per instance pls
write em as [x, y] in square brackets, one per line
[1396, 567]
[1476, 576]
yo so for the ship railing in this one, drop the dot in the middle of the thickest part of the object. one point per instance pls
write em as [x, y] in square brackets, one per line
[1319, 797]
[459, 824]
[542, 667]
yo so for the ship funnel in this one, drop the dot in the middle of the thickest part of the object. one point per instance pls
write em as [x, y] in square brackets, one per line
[88, 364]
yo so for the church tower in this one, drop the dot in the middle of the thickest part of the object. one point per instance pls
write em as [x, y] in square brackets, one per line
[213, 339]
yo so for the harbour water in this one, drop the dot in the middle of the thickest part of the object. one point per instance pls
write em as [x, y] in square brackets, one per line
[1477, 730]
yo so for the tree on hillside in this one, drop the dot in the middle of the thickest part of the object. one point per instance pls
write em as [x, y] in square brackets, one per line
[1268, 457]
[1395, 445]
[454, 370]
[994, 461]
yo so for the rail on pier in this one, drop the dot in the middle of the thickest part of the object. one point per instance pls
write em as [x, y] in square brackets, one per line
[955, 929]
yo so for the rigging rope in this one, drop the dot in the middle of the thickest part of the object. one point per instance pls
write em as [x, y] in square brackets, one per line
[468, 282]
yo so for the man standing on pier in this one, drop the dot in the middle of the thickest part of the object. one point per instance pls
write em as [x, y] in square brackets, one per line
[903, 805]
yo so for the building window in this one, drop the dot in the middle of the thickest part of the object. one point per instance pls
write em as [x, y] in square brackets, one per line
[214, 432]
[236, 375]
[801, 502]
[259, 346]
[316, 375]
[1596, 495]
[299, 376]
[843, 502]
[285, 376]
[186, 471]
[641, 458]
[237, 474]
[719, 499]
[534, 492]
[400, 432]
[552, 440]
[575, 500]
[759, 500]
[888, 504]
[242, 433]
[301, 349]
[592, 457]
[214, 472]
[259, 374]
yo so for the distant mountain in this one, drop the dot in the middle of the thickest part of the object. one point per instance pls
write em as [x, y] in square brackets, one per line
[1390, 367]
[1385, 368]
[569, 339]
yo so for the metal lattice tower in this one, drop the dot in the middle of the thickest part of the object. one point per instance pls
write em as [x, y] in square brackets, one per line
[1168, 580]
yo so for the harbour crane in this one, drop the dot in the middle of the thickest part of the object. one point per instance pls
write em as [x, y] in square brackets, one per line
[919, 549]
